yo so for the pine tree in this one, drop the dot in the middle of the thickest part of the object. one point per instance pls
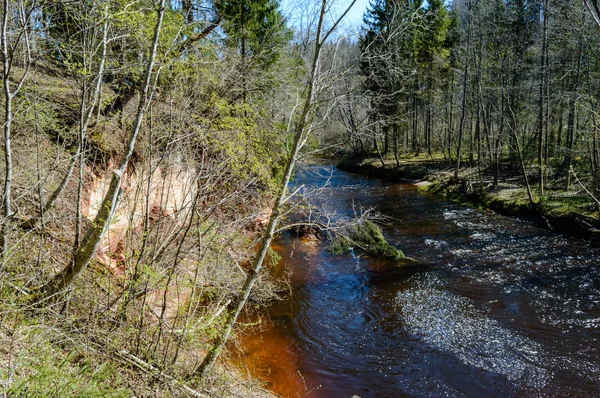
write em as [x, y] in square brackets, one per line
[254, 27]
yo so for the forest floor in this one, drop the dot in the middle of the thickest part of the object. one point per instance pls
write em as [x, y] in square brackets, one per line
[571, 212]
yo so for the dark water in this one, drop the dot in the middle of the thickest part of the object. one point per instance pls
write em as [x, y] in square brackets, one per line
[500, 308]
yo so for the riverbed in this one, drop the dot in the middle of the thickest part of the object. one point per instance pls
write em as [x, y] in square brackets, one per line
[499, 307]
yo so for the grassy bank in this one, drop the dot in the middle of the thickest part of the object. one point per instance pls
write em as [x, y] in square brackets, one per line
[570, 212]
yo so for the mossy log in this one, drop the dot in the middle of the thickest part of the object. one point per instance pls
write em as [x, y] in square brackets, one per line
[367, 236]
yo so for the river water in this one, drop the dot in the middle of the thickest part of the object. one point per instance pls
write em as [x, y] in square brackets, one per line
[499, 308]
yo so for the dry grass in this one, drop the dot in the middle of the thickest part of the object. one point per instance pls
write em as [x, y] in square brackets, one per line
[162, 301]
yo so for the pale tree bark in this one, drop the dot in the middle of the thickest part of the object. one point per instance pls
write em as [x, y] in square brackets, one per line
[518, 148]
[594, 7]
[595, 150]
[94, 234]
[464, 93]
[301, 132]
[85, 114]
[21, 36]
[543, 100]
[572, 118]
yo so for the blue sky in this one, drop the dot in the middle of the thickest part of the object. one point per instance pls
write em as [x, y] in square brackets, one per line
[354, 17]
[356, 13]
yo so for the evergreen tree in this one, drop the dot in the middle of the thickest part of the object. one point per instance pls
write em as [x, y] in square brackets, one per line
[255, 27]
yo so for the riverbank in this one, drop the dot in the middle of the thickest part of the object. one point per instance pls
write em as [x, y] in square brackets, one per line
[525, 299]
[140, 318]
[569, 212]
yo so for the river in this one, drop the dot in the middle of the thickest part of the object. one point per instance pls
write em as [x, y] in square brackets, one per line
[499, 307]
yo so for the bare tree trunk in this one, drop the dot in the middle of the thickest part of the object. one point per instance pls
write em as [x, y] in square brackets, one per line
[595, 155]
[542, 102]
[301, 131]
[429, 117]
[594, 8]
[596, 163]
[479, 111]
[520, 155]
[524, 170]
[85, 117]
[20, 16]
[8, 164]
[450, 129]
[572, 119]
[378, 151]
[395, 133]
[497, 146]
[464, 99]
[415, 121]
[94, 235]
[86, 111]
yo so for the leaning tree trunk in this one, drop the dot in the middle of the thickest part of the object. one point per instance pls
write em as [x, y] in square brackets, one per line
[521, 160]
[93, 236]
[303, 126]
[594, 8]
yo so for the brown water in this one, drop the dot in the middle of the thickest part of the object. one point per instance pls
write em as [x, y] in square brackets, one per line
[500, 308]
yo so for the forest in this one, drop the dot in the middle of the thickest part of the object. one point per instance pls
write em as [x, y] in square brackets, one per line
[150, 146]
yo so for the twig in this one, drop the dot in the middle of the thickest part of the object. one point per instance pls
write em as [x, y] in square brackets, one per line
[583, 186]
[146, 367]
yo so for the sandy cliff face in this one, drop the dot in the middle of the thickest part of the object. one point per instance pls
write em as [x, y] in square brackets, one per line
[169, 198]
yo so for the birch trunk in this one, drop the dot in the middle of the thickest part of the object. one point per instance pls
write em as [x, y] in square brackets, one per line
[19, 16]
[93, 236]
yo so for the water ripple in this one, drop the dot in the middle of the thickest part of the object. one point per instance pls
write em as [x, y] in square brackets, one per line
[451, 323]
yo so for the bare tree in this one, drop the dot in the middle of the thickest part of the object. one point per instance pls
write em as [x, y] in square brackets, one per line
[301, 131]
[594, 7]
[93, 39]
[94, 234]
[14, 37]
[543, 99]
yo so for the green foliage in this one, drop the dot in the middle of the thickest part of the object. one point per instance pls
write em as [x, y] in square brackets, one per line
[172, 29]
[434, 39]
[36, 112]
[44, 370]
[340, 245]
[399, 39]
[256, 27]
[273, 257]
[248, 147]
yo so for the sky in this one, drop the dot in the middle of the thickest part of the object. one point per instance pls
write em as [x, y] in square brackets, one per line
[354, 17]
[356, 13]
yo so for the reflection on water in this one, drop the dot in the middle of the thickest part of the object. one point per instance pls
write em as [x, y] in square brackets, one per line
[270, 356]
[501, 308]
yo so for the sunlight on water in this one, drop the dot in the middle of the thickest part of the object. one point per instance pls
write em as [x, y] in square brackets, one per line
[457, 214]
[438, 244]
[500, 307]
[451, 323]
